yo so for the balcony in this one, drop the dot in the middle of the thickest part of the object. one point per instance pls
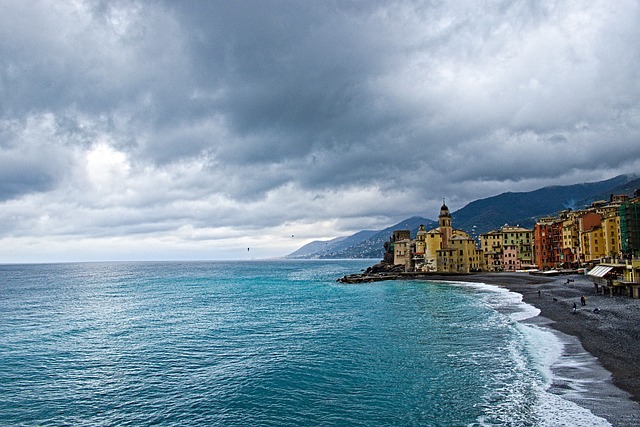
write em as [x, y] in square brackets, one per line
[635, 261]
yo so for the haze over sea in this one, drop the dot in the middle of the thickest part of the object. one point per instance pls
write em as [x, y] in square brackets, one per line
[268, 343]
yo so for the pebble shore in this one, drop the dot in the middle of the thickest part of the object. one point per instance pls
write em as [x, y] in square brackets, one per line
[607, 327]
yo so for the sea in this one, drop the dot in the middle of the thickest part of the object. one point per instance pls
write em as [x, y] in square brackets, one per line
[270, 343]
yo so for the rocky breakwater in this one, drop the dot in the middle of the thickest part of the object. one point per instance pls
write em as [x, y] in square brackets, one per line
[375, 273]
[385, 271]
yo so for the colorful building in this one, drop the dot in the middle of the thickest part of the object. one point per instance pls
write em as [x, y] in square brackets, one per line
[544, 256]
[630, 226]
[460, 256]
[442, 249]
[508, 249]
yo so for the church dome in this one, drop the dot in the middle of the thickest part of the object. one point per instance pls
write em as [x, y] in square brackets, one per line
[444, 210]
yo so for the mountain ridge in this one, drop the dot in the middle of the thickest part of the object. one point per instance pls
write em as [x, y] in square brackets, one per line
[480, 216]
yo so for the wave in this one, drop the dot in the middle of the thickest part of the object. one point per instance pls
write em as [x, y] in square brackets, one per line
[540, 354]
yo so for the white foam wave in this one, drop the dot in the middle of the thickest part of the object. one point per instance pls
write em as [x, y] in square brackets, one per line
[538, 348]
[504, 301]
[544, 347]
[555, 411]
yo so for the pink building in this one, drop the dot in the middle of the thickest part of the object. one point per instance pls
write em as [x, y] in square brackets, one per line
[510, 259]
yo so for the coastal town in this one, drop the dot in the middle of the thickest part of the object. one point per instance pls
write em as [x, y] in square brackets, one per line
[579, 268]
[602, 240]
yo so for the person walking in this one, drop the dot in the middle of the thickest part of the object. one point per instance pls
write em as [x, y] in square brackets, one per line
[575, 307]
[583, 301]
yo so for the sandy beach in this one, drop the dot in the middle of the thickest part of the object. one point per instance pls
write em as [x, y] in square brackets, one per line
[611, 334]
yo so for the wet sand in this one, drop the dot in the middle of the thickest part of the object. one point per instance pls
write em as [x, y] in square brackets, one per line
[612, 335]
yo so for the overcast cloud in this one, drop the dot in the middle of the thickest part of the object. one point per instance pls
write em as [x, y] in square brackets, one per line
[195, 130]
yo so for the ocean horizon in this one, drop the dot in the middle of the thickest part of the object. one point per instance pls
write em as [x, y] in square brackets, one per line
[271, 343]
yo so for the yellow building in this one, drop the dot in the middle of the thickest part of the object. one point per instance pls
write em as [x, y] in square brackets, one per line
[433, 243]
[592, 244]
[440, 249]
[632, 277]
[441, 238]
[491, 244]
[460, 256]
[611, 234]
[570, 235]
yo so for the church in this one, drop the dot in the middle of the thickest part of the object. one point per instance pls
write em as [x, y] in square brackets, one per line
[442, 249]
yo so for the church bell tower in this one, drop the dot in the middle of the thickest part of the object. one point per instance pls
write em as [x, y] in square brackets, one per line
[444, 220]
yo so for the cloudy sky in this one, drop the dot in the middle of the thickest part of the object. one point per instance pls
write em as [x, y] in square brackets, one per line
[149, 130]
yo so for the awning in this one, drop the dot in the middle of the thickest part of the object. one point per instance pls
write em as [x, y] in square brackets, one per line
[599, 271]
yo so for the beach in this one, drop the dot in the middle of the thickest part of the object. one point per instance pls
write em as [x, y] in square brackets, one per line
[611, 334]
[600, 368]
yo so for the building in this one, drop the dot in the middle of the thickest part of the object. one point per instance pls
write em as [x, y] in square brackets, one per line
[491, 244]
[630, 226]
[460, 256]
[591, 237]
[615, 276]
[442, 249]
[400, 247]
[544, 252]
[508, 249]
[570, 241]
[581, 238]
[611, 233]
[510, 258]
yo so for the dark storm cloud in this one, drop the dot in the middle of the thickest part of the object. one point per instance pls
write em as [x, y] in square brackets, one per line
[296, 75]
[297, 81]
[20, 178]
[26, 164]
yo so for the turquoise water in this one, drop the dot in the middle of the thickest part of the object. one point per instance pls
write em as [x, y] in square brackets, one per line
[267, 343]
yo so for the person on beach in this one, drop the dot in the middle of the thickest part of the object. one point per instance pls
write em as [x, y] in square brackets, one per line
[575, 307]
[583, 301]
[539, 294]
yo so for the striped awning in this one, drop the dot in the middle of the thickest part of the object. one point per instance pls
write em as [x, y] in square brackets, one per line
[599, 270]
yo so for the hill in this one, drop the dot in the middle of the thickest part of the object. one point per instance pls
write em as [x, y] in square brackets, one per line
[480, 216]
[373, 247]
[525, 208]
[364, 244]
[320, 248]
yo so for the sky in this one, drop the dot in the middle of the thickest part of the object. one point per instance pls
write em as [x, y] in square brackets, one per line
[197, 130]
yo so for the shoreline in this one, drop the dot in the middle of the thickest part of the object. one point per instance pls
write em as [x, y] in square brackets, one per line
[611, 337]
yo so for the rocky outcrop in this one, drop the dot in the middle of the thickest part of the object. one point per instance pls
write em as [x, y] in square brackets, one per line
[384, 267]
[375, 273]
[367, 278]
[385, 271]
